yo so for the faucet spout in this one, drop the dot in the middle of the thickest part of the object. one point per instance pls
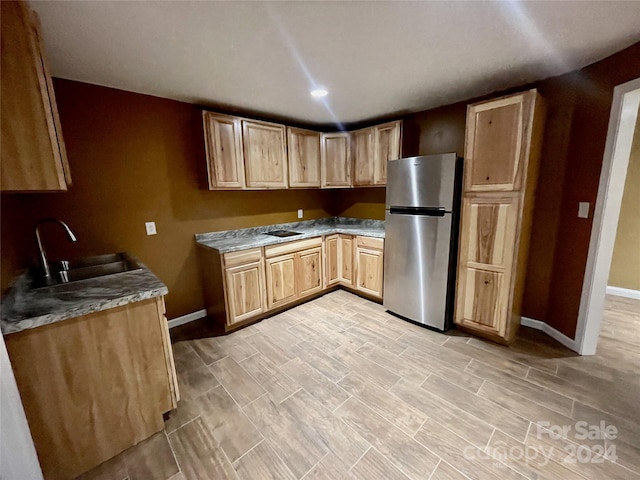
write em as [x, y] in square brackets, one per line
[44, 264]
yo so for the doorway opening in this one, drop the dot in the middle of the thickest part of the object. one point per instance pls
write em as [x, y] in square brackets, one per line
[622, 125]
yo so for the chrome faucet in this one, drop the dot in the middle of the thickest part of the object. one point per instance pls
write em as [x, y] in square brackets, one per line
[46, 272]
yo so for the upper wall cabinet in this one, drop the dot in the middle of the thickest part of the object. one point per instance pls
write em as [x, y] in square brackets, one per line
[250, 154]
[373, 148]
[303, 148]
[223, 142]
[33, 156]
[363, 156]
[265, 154]
[386, 146]
[495, 145]
[336, 159]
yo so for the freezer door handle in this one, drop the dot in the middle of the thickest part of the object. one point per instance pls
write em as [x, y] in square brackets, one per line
[426, 211]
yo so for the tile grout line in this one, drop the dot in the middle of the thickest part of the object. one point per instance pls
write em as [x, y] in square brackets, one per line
[361, 457]
[533, 385]
[290, 395]
[245, 453]
[173, 452]
[434, 470]
[490, 438]
[315, 465]
[343, 402]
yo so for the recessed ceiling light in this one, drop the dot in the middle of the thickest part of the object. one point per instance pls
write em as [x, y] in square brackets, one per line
[319, 92]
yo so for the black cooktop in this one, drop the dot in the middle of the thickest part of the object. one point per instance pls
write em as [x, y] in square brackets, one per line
[282, 233]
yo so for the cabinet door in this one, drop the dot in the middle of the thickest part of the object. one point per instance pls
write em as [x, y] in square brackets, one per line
[281, 280]
[245, 291]
[484, 304]
[72, 376]
[223, 141]
[369, 271]
[363, 141]
[345, 259]
[33, 155]
[331, 259]
[303, 149]
[495, 143]
[487, 247]
[264, 154]
[336, 159]
[386, 147]
[308, 277]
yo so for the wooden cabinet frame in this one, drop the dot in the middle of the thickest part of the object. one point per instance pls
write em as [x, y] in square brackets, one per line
[237, 146]
[94, 385]
[290, 272]
[502, 150]
[238, 311]
[265, 154]
[303, 151]
[336, 160]
[223, 144]
[368, 275]
[33, 153]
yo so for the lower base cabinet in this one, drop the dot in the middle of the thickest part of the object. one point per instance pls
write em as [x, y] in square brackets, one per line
[294, 271]
[339, 260]
[369, 265]
[308, 274]
[281, 287]
[244, 286]
[94, 385]
[245, 291]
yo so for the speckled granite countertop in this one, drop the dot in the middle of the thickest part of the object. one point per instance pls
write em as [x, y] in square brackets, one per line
[242, 239]
[24, 308]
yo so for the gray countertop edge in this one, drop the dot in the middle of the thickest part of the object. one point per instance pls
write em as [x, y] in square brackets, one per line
[75, 299]
[225, 242]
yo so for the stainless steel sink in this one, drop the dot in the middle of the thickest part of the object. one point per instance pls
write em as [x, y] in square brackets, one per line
[68, 271]
[282, 233]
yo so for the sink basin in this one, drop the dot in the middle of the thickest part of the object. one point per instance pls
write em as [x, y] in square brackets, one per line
[68, 271]
[90, 261]
[282, 233]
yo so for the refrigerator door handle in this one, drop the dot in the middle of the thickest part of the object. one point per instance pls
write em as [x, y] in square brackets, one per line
[426, 211]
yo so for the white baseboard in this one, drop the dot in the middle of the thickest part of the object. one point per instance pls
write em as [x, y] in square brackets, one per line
[189, 317]
[623, 292]
[570, 343]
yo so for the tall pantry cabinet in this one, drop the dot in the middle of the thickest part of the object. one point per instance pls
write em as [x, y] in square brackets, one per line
[502, 149]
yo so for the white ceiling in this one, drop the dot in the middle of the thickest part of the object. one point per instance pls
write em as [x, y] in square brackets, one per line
[375, 58]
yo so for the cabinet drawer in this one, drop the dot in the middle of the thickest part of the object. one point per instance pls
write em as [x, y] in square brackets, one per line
[291, 247]
[243, 256]
[371, 242]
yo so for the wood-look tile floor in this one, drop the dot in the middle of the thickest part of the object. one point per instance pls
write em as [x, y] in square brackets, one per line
[339, 389]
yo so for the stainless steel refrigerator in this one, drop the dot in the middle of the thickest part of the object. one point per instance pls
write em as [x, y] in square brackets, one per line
[421, 237]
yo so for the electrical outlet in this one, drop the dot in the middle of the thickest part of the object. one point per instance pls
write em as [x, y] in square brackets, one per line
[151, 228]
[300, 213]
[583, 209]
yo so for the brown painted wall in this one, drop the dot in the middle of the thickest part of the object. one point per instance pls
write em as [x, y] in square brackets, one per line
[137, 158]
[593, 87]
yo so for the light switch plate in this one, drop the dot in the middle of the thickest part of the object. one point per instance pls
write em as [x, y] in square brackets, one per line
[583, 210]
[151, 228]
[300, 213]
